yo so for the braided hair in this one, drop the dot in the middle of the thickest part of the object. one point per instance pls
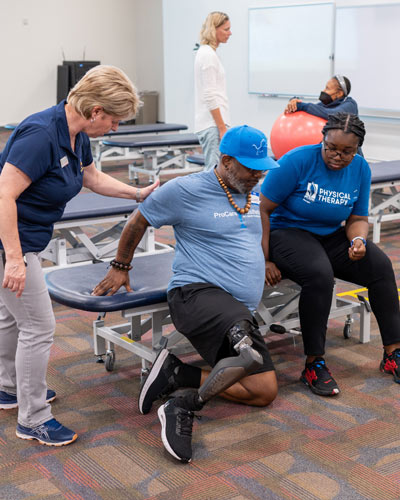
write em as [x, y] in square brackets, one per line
[347, 122]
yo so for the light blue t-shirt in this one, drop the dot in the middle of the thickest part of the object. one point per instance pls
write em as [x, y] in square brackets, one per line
[214, 244]
[313, 197]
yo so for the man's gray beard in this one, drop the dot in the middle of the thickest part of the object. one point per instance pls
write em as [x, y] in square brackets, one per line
[233, 181]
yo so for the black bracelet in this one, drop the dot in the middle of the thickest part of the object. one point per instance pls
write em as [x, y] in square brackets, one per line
[120, 265]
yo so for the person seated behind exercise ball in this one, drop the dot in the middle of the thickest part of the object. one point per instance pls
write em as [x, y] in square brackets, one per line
[303, 205]
[333, 99]
[44, 164]
[218, 280]
[211, 101]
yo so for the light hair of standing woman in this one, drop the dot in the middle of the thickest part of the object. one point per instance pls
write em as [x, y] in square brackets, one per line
[213, 21]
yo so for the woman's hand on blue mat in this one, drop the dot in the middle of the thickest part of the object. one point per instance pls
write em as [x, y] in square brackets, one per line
[115, 278]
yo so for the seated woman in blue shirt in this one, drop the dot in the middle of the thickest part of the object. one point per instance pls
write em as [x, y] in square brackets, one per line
[303, 206]
[45, 162]
[333, 99]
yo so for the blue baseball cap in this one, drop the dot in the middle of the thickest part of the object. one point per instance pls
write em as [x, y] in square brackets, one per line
[248, 146]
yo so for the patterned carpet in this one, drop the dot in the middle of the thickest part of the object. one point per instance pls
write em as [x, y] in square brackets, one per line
[302, 447]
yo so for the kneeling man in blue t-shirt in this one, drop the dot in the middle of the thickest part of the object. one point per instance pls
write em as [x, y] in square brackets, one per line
[217, 283]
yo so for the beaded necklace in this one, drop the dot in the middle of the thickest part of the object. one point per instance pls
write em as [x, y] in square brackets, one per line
[230, 197]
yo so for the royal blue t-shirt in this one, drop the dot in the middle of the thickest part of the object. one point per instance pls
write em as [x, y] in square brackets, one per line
[40, 147]
[214, 244]
[313, 197]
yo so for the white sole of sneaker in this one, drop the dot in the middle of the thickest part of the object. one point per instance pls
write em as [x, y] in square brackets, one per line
[30, 438]
[334, 392]
[15, 405]
[9, 407]
[161, 416]
[155, 370]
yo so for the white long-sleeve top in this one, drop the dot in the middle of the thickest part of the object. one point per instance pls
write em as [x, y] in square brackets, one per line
[210, 88]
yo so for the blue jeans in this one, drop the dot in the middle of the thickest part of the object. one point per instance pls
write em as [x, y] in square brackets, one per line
[209, 141]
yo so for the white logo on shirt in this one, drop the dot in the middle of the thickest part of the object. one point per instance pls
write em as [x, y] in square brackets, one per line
[311, 193]
[253, 212]
[314, 192]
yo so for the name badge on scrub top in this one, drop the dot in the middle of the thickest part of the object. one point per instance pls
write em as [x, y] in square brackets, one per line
[64, 161]
[255, 200]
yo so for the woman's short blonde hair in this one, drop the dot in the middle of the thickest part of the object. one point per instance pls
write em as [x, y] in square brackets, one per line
[108, 87]
[213, 21]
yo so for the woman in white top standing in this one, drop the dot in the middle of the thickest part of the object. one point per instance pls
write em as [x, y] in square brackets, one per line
[211, 101]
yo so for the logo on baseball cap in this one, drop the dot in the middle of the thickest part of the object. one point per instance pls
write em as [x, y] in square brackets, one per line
[248, 146]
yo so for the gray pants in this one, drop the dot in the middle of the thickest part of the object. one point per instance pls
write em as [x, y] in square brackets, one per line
[209, 141]
[27, 326]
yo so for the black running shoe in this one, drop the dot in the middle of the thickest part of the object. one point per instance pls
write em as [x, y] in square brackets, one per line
[391, 364]
[176, 430]
[319, 379]
[160, 381]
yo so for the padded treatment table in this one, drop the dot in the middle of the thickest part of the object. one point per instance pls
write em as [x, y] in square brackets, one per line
[146, 307]
[71, 244]
[103, 152]
[157, 152]
[384, 201]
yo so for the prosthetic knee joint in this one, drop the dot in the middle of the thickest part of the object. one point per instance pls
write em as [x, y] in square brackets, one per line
[229, 370]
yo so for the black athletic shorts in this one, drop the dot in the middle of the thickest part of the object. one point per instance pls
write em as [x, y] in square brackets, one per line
[204, 313]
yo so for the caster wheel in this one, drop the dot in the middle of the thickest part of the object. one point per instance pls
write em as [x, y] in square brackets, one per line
[110, 360]
[347, 331]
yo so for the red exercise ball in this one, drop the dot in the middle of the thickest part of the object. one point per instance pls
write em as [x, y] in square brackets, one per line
[292, 130]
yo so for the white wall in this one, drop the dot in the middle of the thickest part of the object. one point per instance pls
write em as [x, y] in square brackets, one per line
[33, 34]
[152, 40]
[182, 21]
[149, 49]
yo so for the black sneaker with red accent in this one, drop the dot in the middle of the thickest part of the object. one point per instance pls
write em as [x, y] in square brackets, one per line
[391, 364]
[319, 379]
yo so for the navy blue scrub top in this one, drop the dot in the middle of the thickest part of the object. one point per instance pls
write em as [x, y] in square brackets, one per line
[40, 147]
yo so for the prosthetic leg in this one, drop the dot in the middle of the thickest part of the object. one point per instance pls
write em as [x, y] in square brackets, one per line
[176, 415]
[229, 370]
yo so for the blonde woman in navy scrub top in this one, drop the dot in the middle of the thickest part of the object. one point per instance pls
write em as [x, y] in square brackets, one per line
[45, 163]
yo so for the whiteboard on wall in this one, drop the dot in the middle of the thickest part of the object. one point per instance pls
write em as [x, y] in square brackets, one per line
[291, 49]
[367, 45]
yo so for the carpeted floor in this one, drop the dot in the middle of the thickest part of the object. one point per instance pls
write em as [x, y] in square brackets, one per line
[302, 447]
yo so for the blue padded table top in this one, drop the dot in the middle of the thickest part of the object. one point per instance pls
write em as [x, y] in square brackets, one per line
[154, 140]
[72, 285]
[385, 171]
[92, 205]
[147, 128]
[197, 159]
